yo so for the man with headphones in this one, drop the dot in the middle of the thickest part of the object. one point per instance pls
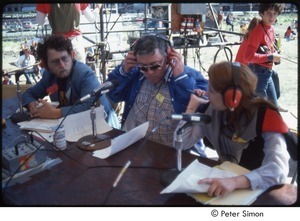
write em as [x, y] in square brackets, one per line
[154, 84]
[245, 129]
[65, 80]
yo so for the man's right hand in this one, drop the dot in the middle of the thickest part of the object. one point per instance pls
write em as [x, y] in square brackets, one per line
[129, 62]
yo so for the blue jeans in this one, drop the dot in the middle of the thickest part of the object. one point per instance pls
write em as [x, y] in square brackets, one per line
[265, 85]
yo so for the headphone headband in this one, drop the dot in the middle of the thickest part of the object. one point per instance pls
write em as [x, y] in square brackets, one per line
[233, 94]
[235, 66]
[159, 36]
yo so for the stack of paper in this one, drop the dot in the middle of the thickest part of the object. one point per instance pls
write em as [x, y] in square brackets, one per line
[186, 182]
[76, 125]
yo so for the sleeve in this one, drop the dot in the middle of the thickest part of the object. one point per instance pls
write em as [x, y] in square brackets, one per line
[254, 41]
[84, 6]
[188, 80]
[126, 82]
[42, 11]
[275, 166]
[43, 8]
[191, 134]
[90, 16]
[32, 60]
[18, 61]
[39, 90]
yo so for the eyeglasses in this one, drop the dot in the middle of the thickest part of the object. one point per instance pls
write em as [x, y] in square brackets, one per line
[64, 59]
[152, 67]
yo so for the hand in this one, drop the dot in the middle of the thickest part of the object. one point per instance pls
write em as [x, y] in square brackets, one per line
[42, 109]
[223, 186]
[129, 62]
[196, 101]
[276, 57]
[175, 61]
[32, 107]
[219, 186]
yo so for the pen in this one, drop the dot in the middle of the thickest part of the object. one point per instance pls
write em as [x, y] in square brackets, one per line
[202, 96]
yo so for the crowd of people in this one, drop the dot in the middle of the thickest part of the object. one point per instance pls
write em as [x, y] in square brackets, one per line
[154, 83]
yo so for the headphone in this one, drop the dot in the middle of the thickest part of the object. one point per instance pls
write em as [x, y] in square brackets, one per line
[232, 95]
[159, 36]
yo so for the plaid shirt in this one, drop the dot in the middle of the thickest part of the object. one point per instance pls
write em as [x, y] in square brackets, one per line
[154, 104]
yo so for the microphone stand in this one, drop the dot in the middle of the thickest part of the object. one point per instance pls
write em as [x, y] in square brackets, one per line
[20, 116]
[169, 176]
[178, 147]
[94, 141]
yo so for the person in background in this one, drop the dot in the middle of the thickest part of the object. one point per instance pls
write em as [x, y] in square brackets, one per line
[243, 30]
[220, 19]
[229, 21]
[261, 53]
[243, 46]
[26, 62]
[65, 80]
[6, 78]
[245, 129]
[154, 84]
[65, 19]
[289, 34]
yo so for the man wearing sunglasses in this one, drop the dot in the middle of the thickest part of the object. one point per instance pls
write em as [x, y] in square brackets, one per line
[154, 84]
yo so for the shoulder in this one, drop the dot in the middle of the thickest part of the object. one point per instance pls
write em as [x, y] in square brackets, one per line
[273, 122]
[44, 8]
[79, 66]
[83, 6]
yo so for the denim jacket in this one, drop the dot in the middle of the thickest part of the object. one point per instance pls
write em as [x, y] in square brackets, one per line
[130, 85]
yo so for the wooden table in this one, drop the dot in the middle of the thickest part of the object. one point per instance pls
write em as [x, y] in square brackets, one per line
[81, 179]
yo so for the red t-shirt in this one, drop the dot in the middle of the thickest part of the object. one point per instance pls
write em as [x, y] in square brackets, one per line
[241, 52]
[257, 37]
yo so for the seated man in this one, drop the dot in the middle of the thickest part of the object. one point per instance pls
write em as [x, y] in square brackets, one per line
[154, 84]
[65, 80]
[26, 63]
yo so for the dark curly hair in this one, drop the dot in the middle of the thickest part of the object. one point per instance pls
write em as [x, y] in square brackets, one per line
[56, 42]
[275, 6]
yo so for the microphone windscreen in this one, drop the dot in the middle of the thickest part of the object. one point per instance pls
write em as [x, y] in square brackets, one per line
[20, 117]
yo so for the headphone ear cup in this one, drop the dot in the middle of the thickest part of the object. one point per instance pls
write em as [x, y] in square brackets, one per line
[232, 97]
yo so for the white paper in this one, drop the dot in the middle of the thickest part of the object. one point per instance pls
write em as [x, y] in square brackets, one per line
[123, 141]
[186, 181]
[80, 124]
[40, 125]
[76, 125]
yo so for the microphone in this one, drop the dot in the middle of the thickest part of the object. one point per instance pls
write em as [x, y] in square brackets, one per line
[19, 95]
[20, 116]
[104, 88]
[195, 117]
